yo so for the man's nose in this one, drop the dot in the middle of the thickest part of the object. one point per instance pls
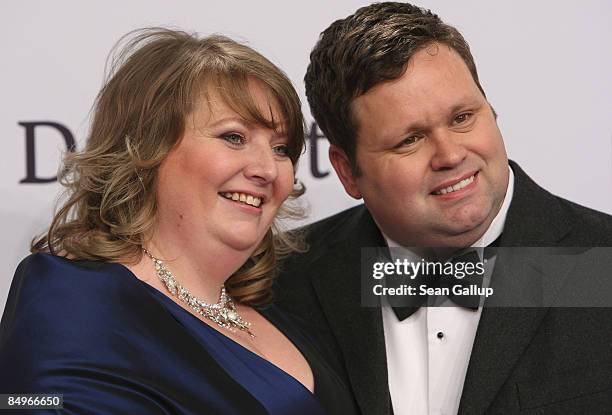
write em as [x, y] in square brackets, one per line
[449, 151]
[261, 166]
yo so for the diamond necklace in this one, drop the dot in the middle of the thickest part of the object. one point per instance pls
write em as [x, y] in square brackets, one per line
[223, 312]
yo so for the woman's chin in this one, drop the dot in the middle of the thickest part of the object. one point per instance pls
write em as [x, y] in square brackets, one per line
[242, 241]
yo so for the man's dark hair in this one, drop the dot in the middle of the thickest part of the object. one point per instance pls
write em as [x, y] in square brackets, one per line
[371, 46]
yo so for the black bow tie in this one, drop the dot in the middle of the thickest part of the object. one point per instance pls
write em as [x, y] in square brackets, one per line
[410, 304]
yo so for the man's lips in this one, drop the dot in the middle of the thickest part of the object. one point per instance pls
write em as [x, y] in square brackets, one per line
[454, 185]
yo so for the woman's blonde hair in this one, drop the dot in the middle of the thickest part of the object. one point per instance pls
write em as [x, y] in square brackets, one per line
[154, 83]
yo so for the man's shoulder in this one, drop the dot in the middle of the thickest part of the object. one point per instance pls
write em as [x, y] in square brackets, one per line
[325, 238]
[336, 227]
[538, 217]
[354, 226]
[593, 225]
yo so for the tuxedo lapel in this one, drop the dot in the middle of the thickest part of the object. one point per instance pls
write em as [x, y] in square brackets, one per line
[503, 335]
[535, 218]
[358, 330]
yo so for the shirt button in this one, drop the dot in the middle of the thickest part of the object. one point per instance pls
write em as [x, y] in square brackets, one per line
[440, 335]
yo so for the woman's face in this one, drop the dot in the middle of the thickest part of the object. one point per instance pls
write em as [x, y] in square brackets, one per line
[226, 179]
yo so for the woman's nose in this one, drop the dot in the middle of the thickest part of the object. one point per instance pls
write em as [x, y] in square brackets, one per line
[262, 166]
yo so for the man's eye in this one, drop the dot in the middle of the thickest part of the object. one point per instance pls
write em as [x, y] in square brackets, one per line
[462, 118]
[234, 138]
[281, 150]
[410, 140]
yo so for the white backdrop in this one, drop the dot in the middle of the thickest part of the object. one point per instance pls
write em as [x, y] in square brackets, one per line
[546, 67]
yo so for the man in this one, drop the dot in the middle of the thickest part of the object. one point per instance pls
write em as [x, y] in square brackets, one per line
[396, 92]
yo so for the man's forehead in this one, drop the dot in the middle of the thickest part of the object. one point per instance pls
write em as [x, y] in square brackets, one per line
[428, 91]
[436, 59]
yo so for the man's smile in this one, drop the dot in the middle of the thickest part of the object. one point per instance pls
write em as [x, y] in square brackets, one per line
[455, 185]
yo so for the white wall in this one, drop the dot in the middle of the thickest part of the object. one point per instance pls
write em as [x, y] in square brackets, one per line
[546, 67]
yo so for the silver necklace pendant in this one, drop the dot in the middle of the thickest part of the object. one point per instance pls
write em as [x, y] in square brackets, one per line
[223, 312]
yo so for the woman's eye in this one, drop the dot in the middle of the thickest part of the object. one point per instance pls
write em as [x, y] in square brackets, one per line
[281, 150]
[234, 138]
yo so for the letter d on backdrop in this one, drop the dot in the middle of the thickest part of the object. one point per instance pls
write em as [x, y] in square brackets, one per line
[31, 148]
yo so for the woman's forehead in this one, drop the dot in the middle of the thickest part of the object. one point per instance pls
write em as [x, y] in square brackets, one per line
[253, 103]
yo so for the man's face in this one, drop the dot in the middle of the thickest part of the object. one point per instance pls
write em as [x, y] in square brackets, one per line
[434, 169]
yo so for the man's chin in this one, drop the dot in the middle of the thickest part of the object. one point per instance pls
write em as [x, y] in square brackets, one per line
[461, 233]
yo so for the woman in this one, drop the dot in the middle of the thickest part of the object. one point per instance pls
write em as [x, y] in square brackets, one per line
[145, 295]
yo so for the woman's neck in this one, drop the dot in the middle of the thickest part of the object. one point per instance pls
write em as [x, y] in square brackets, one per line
[201, 266]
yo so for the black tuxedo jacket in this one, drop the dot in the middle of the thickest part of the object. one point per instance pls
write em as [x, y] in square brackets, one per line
[524, 360]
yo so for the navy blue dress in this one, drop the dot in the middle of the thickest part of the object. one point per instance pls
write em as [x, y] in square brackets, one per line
[111, 344]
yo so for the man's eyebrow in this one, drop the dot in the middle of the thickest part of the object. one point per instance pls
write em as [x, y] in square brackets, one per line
[466, 103]
[401, 133]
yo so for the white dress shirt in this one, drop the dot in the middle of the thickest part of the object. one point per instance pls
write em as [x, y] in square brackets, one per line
[428, 353]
